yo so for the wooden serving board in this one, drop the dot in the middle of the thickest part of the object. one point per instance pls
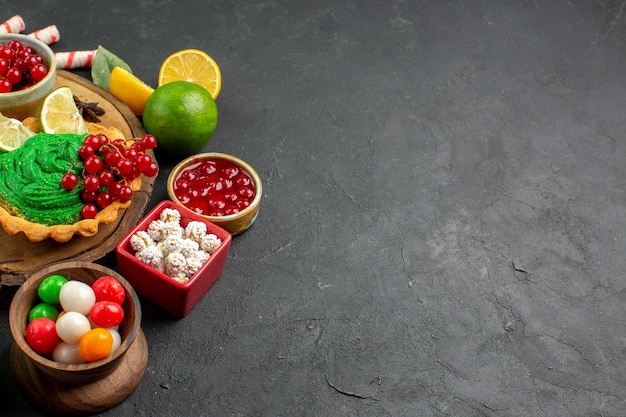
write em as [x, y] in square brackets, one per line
[20, 257]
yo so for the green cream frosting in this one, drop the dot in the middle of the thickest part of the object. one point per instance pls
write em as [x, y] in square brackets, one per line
[30, 179]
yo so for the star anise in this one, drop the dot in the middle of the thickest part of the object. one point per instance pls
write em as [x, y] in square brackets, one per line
[90, 111]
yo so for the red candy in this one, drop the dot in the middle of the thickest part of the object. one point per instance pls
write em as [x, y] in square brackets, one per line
[106, 314]
[214, 188]
[108, 288]
[41, 335]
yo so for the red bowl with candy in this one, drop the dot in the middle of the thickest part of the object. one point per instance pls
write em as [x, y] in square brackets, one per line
[220, 188]
[173, 256]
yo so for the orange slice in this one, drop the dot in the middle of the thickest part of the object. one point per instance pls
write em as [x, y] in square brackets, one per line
[130, 89]
[192, 65]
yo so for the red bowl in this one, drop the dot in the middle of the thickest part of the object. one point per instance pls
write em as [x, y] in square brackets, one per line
[177, 298]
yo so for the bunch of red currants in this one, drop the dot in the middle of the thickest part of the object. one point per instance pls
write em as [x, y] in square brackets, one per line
[108, 168]
[20, 67]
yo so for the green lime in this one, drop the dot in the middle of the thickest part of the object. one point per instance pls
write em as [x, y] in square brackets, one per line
[46, 310]
[50, 288]
[181, 115]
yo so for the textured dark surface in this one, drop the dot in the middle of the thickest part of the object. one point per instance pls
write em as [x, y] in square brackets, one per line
[443, 226]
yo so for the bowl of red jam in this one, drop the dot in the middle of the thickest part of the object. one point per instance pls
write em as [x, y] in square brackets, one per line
[27, 75]
[219, 187]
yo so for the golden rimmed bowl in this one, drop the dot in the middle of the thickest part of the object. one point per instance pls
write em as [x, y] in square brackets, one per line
[234, 223]
[27, 102]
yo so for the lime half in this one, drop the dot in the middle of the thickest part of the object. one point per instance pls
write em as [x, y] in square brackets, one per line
[59, 113]
[13, 134]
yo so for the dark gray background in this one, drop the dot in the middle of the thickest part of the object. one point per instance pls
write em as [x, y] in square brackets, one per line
[443, 225]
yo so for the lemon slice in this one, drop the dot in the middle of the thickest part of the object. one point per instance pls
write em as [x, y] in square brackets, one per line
[59, 113]
[192, 65]
[13, 134]
[130, 89]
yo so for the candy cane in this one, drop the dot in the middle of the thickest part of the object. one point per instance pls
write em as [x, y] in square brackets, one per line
[13, 25]
[49, 34]
[74, 59]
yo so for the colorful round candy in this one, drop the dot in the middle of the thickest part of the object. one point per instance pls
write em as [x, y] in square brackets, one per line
[96, 344]
[106, 314]
[41, 335]
[71, 326]
[66, 353]
[50, 288]
[46, 310]
[108, 288]
[77, 296]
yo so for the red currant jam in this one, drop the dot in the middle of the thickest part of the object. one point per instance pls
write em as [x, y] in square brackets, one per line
[214, 187]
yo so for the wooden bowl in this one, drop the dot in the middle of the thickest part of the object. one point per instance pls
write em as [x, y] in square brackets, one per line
[233, 223]
[27, 102]
[76, 389]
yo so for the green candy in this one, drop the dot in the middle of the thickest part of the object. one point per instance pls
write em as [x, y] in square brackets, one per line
[50, 288]
[45, 310]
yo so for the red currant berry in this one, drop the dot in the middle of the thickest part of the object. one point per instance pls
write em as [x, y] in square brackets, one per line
[89, 211]
[125, 194]
[115, 189]
[5, 85]
[143, 162]
[152, 171]
[38, 72]
[13, 75]
[148, 142]
[88, 196]
[85, 152]
[93, 164]
[125, 166]
[69, 181]
[112, 158]
[106, 178]
[103, 199]
[15, 45]
[93, 140]
[91, 183]
[6, 53]
[4, 66]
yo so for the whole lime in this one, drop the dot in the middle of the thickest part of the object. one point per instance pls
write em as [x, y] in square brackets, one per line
[181, 115]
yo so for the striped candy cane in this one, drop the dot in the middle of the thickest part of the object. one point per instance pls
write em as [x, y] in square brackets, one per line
[13, 25]
[74, 59]
[48, 35]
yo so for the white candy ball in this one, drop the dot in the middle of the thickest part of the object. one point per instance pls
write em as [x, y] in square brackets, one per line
[77, 296]
[66, 353]
[117, 339]
[71, 326]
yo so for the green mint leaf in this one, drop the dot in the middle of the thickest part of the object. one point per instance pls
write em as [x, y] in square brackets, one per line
[103, 63]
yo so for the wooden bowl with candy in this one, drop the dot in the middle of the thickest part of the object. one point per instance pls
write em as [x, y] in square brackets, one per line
[85, 370]
[32, 82]
[219, 187]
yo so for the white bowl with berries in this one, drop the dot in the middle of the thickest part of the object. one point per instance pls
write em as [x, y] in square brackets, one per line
[27, 75]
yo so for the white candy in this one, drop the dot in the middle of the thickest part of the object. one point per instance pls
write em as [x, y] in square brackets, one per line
[195, 230]
[189, 247]
[170, 215]
[156, 230]
[177, 251]
[210, 243]
[67, 353]
[152, 256]
[77, 296]
[71, 326]
[141, 240]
